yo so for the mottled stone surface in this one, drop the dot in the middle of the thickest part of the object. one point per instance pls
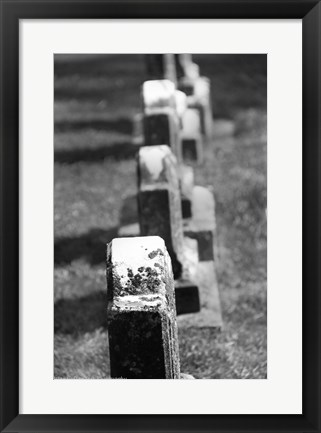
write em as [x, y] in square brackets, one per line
[141, 311]
[159, 200]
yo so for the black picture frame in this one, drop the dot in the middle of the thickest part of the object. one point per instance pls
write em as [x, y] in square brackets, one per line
[11, 12]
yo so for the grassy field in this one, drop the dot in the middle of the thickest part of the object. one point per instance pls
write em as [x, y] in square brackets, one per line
[95, 100]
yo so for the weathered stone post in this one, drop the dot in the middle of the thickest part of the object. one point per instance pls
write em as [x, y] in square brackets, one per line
[191, 143]
[202, 228]
[185, 67]
[143, 340]
[161, 120]
[201, 100]
[159, 201]
[160, 213]
[197, 89]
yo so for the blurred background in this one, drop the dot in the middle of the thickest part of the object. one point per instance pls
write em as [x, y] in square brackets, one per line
[96, 98]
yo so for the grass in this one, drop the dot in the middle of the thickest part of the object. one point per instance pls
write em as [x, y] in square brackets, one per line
[95, 99]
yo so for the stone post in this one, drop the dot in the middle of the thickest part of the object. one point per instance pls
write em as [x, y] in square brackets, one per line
[186, 176]
[161, 120]
[160, 213]
[143, 341]
[159, 201]
[191, 143]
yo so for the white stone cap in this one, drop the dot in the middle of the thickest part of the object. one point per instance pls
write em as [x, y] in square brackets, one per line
[191, 123]
[181, 102]
[203, 206]
[158, 93]
[152, 162]
[202, 90]
[192, 71]
[143, 259]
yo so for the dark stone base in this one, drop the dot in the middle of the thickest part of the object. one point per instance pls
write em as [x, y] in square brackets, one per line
[135, 346]
[186, 208]
[205, 242]
[187, 297]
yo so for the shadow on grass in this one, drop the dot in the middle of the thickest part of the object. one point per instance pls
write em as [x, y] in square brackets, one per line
[90, 246]
[121, 125]
[117, 151]
[80, 315]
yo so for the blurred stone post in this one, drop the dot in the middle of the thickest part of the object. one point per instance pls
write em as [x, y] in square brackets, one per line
[160, 213]
[191, 143]
[161, 66]
[161, 120]
[198, 91]
[202, 226]
[159, 201]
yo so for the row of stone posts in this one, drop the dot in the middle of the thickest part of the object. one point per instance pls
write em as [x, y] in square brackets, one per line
[161, 268]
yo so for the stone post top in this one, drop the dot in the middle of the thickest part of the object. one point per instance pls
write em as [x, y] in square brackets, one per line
[191, 122]
[192, 71]
[139, 268]
[203, 205]
[181, 102]
[156, 164]
[158, 93]
[202, 89]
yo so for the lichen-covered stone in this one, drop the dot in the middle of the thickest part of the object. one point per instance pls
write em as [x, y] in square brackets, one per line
[141, 311]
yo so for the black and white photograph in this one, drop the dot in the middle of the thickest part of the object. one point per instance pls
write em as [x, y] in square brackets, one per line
[160, 216]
